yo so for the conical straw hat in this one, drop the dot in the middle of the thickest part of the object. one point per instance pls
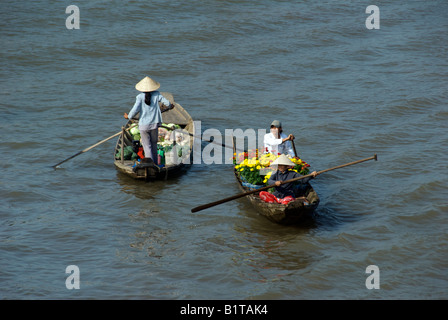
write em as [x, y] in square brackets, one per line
[147, 85]
[283, 160]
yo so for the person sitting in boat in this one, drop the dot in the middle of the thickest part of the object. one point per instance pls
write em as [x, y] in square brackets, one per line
[277, 142]
[147, 104]
[284, 193]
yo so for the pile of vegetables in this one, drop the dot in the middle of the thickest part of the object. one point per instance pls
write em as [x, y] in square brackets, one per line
[166, 139]
[128, 153]
[164, 145]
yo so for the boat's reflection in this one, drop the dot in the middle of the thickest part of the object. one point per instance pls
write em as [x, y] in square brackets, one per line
[147, 189]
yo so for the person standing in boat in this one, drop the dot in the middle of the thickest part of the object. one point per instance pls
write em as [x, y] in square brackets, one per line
[277, 142]
[284, 193]
[147, 104]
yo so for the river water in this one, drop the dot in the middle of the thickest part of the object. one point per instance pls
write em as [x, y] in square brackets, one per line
[345, 91]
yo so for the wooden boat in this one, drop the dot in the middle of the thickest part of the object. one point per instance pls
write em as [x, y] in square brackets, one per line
[292, 213]
[149, 170]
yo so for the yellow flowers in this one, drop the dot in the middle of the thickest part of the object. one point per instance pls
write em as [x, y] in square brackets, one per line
[267, 176]
[256, 169]
[267, 158]
[249, 166]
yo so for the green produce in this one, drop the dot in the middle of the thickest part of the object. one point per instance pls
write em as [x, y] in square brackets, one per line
[134, 131]
[128, 153]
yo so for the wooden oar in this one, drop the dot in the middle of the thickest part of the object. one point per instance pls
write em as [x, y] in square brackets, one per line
[194, 136]
[212, 204]
[92, 146]
[294, 148]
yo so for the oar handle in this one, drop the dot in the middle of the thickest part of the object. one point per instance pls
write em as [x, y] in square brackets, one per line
[294, 148]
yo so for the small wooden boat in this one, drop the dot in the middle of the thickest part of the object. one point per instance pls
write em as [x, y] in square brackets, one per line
[148, 170]
[306, 202]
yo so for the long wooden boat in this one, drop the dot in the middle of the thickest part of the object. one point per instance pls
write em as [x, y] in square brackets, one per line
[294, 212]
[148, 170]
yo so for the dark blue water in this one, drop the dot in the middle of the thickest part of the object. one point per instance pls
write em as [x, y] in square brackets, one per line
[344, 91]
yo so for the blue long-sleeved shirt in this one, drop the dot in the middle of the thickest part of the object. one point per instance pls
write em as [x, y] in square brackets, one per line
[149, 114]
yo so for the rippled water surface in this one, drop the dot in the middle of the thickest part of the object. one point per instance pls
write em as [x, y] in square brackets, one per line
[344, 91]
